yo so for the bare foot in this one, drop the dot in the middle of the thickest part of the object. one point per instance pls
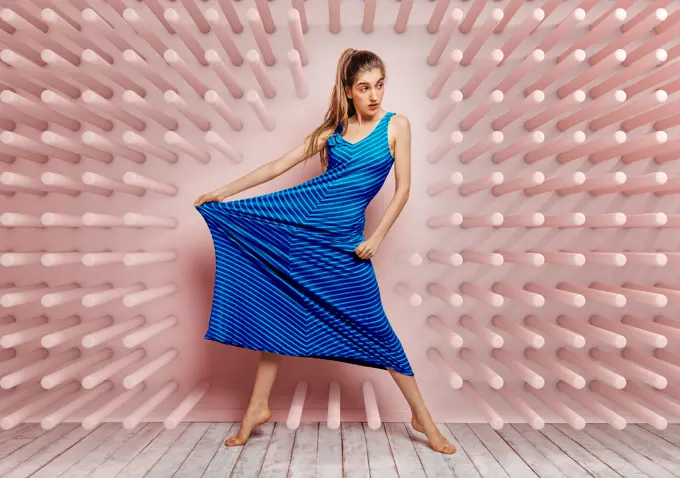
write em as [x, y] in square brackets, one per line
[255, 415]
[438, 442]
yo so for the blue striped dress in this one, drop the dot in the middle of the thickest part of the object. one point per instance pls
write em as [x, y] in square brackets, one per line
[287, 279]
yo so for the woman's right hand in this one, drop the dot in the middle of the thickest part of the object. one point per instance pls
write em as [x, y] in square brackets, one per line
[212, 196]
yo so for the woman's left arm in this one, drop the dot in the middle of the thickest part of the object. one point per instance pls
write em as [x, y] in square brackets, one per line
[402, 174]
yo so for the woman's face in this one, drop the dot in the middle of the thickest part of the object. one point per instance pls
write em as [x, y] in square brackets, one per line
[367, 91]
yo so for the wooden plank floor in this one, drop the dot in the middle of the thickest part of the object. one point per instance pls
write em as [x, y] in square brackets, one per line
[355, 451]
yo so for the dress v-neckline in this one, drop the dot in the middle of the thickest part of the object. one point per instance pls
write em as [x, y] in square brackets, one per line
[369, 134]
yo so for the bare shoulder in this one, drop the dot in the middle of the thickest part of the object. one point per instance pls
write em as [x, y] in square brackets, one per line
[399, 128]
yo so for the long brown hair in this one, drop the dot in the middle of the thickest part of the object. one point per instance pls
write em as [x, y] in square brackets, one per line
[350, 64]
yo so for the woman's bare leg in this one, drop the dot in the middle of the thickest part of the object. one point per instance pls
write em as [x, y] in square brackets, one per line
[421, 419]
[258, 411]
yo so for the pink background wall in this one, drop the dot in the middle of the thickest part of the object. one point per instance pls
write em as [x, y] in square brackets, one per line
[54, 169]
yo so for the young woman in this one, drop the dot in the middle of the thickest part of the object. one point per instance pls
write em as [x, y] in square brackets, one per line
[294, 275]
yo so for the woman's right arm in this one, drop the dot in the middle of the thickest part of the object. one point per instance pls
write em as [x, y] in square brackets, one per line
[265, 172]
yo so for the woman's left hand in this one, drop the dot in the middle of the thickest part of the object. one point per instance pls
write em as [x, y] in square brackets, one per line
[368, 248]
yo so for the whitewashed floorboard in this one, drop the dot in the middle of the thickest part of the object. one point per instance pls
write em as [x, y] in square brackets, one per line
[395, 450]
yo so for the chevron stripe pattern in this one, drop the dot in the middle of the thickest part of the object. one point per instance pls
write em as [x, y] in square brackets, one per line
[287, 279]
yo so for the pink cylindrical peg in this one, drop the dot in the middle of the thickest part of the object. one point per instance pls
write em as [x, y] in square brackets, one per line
[175, 140]
[652, 62]
[495, 420]
[150, 331]
[611, 20]
[574, 259]
[482, 220]
[176, 100]
[605, 297]
[447, 106]
[297, 36]
[103, 335]
[482, 257]
[596, 370]
[631, 31]
[451, 337]
[413, 298]
[533, 219]
[632, 108]
[142, 258]
[596, 333]
[631, 369]
[444, 184]
[556, 183]
[529, 337]
[44, 400]
[192, 44]
[477, 114]
[333, 419]
[18, 114]
[453, 379]
[480, 184]
[551, 400]
[220, 29]
[443, 74]
[98, 376]
[658, 325]
[445, 220]
[93, 21]
[57, 338]
[94, 100]
[517, 110]
[196, 15]
[565, 336]
[405, 8]
[133, 419]
[445, 146]
[148, 72]
[486, 143]
[212, 98]
[486, 66]
[176, 62]
[653, 259]
[443, 257]
[649, 298]
[28, 334]
[569, 298]
[481, 331]
[524, 29]
[613, 259]
[529, 414]
[522, 370]
[186, 405]
[444, 36]
[34, 370]
[72, 110]
[135, 378]
[100, 298]
[632, 149]
[334, 16]
[571, 219]
[295, 67]
[561, 69]
[214, 139]
[71, 370]
[491, 298]
[369, 16]
[92, 420]
[588, 401]
[437, 16]
[517, 184]
[260, 36]
[528, 298]
[224, 74]
[608, 102]
[255, 102]
[631, 333]
[370, 403]
[556, 109]
[110, 73]
[612, 61]
[260, 73]
[527, 258]
[610, 219]
[59, 66]
[135, 299]
[625, 401]
[103, 143]
[607, 180]
[143, 145]
[482, 34]
[520, 146]
[438, 290]
[559, 370]
[652, 363]
[657, 399]
[485, 371]
[143, 30]
[152, 112]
